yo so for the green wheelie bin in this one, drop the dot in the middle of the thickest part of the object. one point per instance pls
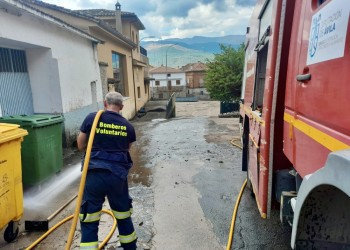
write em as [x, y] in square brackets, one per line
[41, 152]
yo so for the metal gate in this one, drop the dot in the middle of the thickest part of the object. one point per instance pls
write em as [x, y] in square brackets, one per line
[15, 91]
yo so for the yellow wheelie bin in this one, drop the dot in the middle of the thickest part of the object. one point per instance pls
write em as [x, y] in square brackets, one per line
[11, 191]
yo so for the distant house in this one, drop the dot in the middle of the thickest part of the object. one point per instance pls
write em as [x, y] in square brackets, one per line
[47, 66]
[123, 68]
[166, 81]
[195, 75]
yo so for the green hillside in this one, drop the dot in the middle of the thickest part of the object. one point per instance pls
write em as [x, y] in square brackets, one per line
[188, 50]
[175, 56]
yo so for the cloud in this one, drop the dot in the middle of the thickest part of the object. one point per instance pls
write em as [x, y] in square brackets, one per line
[246, 2]
[171, 8]
[205, 19]
[179, 18]
[137, 8]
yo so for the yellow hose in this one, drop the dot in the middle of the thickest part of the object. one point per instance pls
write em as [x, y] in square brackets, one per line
[80, 196]
[75, 216]
[82, 180]
[69, 218]
[233, 142]
[229, 243]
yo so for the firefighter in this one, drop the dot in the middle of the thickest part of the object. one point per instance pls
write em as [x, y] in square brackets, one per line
[108, 169]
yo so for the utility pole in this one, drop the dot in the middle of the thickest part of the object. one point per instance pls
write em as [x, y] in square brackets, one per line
[166, 63]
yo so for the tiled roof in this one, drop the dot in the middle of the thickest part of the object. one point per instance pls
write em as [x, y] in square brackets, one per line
[102, 12]
[79, 14]
[199, 66]
[98, 13]
[163, 69]
[58, 8]
[23, 4]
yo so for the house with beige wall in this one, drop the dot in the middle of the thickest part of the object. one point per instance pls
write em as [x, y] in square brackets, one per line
[122, 66]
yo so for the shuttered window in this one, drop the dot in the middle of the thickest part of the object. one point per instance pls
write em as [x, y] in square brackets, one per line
[12, 60]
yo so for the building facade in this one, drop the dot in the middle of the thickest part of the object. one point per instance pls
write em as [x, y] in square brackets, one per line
[52, 69]
[122, 66]
[195, 80]
[165, 81]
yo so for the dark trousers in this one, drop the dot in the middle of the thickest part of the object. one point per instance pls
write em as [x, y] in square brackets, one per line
[101, 183]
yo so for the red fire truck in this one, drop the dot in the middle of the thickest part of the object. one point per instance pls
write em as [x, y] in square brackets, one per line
[294, 117]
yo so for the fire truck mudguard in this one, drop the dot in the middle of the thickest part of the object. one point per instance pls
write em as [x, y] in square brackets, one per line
[322, 212]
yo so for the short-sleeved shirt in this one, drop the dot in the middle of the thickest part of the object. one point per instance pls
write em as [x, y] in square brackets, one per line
[110, 149]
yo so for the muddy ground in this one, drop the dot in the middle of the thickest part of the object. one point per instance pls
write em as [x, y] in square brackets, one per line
[185, 181]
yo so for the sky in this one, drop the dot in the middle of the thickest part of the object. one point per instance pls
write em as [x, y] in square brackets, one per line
[178, 18]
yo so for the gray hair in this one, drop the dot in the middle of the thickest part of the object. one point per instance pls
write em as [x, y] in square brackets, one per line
[114, 98]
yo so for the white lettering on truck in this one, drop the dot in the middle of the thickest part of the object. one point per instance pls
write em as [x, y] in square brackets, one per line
[328, 32]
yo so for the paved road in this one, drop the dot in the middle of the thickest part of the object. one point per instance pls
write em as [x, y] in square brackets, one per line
[185, 182]
[195, 179]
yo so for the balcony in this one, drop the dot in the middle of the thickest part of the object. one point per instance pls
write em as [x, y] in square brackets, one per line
[143, 51]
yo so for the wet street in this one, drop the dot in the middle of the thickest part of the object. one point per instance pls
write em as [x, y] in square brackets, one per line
[185, 182]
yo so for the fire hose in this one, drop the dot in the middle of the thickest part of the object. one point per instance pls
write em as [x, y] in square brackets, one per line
[75, 216]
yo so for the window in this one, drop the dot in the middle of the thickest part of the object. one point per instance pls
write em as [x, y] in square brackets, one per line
[116, 66]
[168, 75]
[137, 74]
[201, 82]
[118, 62]
[265, 18]
[260, 78]
[169, 85]
[12, 60]
[138, 92]
[178, 82]
[157, 83]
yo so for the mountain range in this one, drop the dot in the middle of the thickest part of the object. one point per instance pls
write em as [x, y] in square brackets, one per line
[178, 52]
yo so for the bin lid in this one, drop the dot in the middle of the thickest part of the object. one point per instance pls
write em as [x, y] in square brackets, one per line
[10, 132]
[32, 120]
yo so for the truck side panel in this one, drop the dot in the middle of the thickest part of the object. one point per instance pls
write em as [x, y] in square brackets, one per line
[316, 108]
[265, 69]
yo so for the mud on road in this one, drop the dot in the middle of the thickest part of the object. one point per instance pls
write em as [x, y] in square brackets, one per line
[184, 183]
[191, 175]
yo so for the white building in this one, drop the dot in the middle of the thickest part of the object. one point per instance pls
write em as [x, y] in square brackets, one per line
[166, 81]
[46, 67]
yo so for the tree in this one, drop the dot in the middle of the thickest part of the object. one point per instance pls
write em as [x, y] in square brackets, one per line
[224, 75]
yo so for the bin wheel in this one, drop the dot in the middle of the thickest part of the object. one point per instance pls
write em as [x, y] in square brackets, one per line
[10, 234]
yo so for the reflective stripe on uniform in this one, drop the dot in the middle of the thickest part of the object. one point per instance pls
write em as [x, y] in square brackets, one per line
[122, 215]
[128, 238]
[89, 245]
[90, 217]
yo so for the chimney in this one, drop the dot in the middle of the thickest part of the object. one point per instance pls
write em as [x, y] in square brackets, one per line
[118, 17]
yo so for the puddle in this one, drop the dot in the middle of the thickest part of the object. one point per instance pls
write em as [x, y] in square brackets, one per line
[139, 173]
[159, 120]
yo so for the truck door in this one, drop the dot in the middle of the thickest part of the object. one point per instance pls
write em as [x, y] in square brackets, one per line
[322, 89]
